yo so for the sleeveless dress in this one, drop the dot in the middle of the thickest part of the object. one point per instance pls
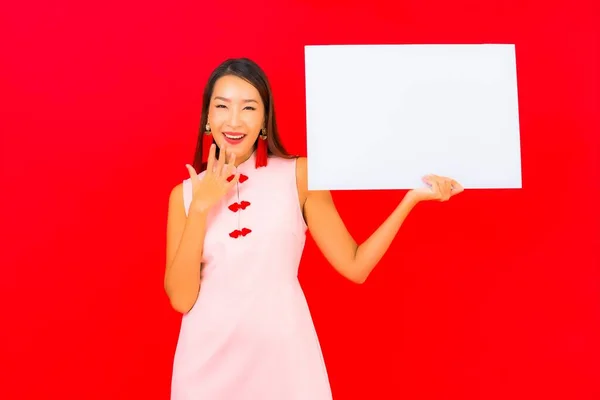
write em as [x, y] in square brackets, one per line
[250, 335]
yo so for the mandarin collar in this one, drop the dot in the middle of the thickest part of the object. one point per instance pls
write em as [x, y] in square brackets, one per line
[248, 165]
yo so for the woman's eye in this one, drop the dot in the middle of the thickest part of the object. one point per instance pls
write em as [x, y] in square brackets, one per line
[246, 108]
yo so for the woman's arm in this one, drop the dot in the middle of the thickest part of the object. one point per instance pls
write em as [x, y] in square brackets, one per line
[185, 234]
[185, 241]
[353, 261]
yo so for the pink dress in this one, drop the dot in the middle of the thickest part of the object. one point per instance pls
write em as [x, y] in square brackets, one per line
[250, 334]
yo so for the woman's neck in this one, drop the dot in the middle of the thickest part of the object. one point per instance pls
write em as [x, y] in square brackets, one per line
[239, 161]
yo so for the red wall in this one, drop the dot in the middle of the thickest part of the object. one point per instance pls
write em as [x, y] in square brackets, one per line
[492, 296]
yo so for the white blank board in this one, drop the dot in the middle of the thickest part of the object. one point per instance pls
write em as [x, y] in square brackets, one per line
[383, 116]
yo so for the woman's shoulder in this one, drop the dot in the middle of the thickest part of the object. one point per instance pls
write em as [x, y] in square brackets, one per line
[297, 162]
[290, 167]
[181, 192]
[176, 197]
[178, 191]
[301, 163]
[285, 163]
[290, 159]
[302, 176]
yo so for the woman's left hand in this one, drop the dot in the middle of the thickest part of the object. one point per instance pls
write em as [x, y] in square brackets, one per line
[438, 188]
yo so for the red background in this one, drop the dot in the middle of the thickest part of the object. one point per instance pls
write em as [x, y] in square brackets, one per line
[494, 295]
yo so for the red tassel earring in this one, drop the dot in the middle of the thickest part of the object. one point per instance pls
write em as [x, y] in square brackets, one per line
[261, 150]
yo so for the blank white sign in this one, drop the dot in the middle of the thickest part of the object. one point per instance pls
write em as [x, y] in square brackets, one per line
[383, 116]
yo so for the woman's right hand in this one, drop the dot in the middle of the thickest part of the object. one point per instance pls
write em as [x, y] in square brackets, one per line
[207, 191]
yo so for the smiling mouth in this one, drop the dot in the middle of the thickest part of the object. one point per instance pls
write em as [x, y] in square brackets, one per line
[233, 137]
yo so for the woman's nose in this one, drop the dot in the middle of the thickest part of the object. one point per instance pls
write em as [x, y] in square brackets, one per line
[234, 118]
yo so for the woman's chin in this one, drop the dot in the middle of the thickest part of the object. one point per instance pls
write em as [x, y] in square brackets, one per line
[241, 152]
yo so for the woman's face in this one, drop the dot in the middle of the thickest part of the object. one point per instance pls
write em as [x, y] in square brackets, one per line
[236, 115]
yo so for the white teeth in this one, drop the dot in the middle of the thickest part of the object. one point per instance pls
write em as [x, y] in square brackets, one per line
[234, 137]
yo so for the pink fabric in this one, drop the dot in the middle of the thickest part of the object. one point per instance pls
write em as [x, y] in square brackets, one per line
[250, 334]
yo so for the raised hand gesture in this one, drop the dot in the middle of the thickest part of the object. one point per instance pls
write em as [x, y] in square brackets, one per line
[207, 191]
[437, 188]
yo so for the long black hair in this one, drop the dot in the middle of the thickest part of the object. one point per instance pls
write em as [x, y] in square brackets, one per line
[249, 71]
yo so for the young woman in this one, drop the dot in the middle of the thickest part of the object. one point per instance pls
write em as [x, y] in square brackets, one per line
[236, 232]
